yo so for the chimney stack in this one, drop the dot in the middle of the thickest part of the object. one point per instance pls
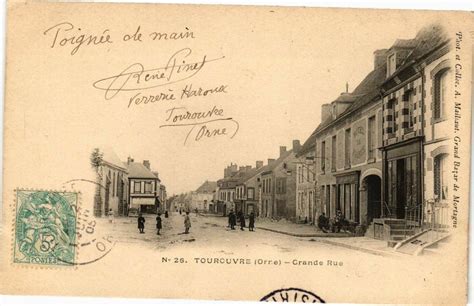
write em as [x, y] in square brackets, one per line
[282, 150]
[270, 161]
[380, 58]
[146, 163]
[259, 164]
[296, 146]
[129, 160]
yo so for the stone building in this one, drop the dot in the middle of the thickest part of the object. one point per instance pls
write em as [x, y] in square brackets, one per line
[112, 183]
[201, 198]
[305, 181]
[278, 180]
[416, 128]
[143, 186]
[347, 160]
[247, 190]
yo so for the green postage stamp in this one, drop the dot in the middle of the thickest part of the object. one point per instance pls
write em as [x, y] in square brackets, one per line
[45, 227]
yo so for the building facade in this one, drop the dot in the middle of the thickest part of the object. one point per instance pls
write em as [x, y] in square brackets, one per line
[201, 198]
[416, 125]
[305, 181]
[143, 187]
[278, 180]
[347, 160]
[113, 182]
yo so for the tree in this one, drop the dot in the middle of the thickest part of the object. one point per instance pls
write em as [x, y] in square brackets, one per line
[97, 160]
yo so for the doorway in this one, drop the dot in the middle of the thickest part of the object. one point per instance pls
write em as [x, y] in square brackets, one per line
[374, 204]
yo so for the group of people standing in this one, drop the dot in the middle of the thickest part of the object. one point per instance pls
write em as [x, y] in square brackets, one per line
[141, 223]
[241, 218]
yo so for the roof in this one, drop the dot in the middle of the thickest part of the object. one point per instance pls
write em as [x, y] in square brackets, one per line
[273, 165]
[138, 170]
[207, 187]
[249, 174]
[426, 40]
[308, 144]
[111, 157]
[364, 93]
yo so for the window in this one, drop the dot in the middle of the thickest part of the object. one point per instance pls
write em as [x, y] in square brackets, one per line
[323, 156]
[148, 187]
[371, 143]
[440, 177]
[440, 96]
[250, 193]
[411, 110]
[113, 185]
[137, 187]
[391, 64]
[347, 148]
[333, 153]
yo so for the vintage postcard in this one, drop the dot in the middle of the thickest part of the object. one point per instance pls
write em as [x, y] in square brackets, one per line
[236, 153]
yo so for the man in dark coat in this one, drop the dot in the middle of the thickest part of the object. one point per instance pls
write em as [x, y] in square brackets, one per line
[232, 220]
[158, 223]
[242, 220]
[166, 214]
[141, 223]
[323, 222]
[251, 221]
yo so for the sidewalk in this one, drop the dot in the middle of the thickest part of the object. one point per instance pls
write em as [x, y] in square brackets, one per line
[293, 229]
[345, 240]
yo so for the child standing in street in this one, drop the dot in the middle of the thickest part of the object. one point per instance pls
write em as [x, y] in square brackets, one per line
[187, 223]
[141, 223]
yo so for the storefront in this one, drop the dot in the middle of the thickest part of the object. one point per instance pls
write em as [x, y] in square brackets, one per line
[402, 193]
[347, 197]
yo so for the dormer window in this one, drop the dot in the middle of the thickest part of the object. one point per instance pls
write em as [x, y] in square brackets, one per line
[391, 64]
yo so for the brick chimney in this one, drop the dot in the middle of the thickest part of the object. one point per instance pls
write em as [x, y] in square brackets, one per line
[296, 146]
[146, 163]
[270, 161]
[259, 164]
[282, 150]
[380, 58]
[129, 160]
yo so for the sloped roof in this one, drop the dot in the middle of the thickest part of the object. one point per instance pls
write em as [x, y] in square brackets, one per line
[249, 174]
[207, 187]
[111, 157]
[273, 165]
[308, 144]
[364, 93]
[138, 170]
[426, 40]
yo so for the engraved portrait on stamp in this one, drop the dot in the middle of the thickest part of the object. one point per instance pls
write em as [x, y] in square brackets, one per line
[45, 230]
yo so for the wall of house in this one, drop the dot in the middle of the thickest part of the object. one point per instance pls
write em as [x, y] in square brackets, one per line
[437, 131]
[138, 196]
[305, 187]
[116, 192]
[359, 157]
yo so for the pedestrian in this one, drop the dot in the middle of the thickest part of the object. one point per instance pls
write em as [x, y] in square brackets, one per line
[111, 216]
[251, 221]
[232, 220]
[242, 220]
[180, 211]
[187, 223]
[166, 214]
[323, 222]
[141, 223]
[158, 223]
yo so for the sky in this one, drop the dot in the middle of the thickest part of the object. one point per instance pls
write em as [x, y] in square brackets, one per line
[277, 79]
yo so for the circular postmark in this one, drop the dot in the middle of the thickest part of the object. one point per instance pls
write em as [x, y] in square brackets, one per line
[292, 295]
